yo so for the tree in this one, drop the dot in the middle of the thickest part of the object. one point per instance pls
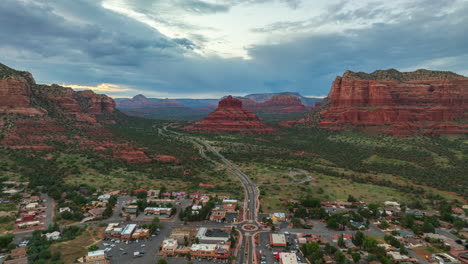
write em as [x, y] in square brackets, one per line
[162, 261]
[93, 248]
[341, 242]
[356, 256]
[340, 257]
[358, 239]
[458, 225]
[352, 199]
[142, 195]
[428, 227]
[332, 223]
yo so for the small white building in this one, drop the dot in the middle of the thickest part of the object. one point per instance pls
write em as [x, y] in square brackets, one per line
[53, 236]
[65, 209]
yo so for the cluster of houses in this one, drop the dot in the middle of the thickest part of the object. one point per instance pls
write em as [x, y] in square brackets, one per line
[32, 213]
[202, 243]
[125, 232]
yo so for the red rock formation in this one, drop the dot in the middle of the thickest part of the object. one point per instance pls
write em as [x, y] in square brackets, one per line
[165, 158]
[281, 103]
[14, 91]
[167, 103]
[231, 117]
[98, 103]
[420, 102]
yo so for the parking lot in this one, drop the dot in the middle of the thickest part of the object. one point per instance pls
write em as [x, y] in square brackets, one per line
[267, 251]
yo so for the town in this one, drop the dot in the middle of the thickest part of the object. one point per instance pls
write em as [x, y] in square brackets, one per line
[150, 225]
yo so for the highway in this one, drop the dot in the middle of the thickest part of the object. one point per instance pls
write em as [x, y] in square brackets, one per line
[250, 202]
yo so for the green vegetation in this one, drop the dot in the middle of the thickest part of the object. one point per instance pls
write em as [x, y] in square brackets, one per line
[418, 170]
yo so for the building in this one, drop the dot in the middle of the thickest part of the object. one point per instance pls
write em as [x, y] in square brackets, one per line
[180, 235]
[444, 258]
[95, 257]
[288, 258]
[278, 217]
[206, 235]
[112, 230]
[229, 205]
[218, 214]
[53, 236]
[277, 240]
[131, 209]
[140, 233]
[127, 232]
[210, 251]
[65, 209]
[158, 211]
[169, 246]
[398, 257]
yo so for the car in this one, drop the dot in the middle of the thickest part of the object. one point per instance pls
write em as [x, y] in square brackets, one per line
[105, 244]
[263, 262]
[124, 253]
[109, 256]
[143, 245]
[121, 249]
[113, 245]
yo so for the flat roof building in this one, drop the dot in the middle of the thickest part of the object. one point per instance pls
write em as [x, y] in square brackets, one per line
[288, 258]
[277, 240]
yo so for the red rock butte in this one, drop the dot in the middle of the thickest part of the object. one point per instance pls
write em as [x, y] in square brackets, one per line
[420, 102]
[231, 117]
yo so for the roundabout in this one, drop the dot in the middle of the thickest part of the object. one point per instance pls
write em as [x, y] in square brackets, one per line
[249, 227]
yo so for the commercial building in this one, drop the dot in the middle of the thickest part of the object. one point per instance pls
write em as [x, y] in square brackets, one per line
[127, 232]
[210, 251]
[218, 215]
[95, 257]
[444, 258]
[277, 240]
[278, 217]
[229, 205]
[288, 258]
[157, 211]
[205, 235]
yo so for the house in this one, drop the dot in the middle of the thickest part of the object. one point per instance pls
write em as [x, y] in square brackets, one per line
[416, 213]
[153, 193]
[357, 225]
[392, 204]
[53, 236]
[31, 206]
[397, 256]
[65, 209]
[104, 197]
[96, 212]
[195, 195]
[405, 233]
[196, 208]
[278, 217]
[288, 258]
[277, 240]
[229, 205]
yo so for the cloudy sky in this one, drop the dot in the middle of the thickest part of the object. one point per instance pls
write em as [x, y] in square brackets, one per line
[210, 48]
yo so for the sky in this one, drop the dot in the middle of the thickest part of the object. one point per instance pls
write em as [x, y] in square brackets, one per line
[211, 48]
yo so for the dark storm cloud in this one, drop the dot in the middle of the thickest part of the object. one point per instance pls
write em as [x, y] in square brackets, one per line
[80, 42]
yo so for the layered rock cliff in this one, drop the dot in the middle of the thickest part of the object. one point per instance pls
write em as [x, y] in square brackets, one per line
[423, 102]
[231, 117]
